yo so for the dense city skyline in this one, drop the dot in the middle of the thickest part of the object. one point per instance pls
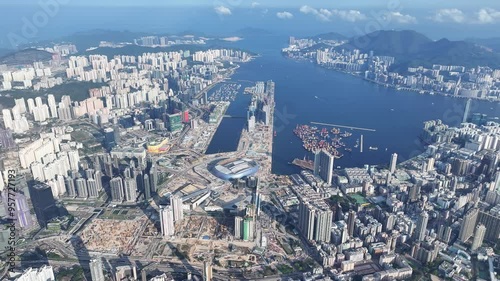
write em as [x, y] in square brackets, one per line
[249, 140]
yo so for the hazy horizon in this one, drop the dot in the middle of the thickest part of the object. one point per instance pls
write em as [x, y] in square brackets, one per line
[222, 18]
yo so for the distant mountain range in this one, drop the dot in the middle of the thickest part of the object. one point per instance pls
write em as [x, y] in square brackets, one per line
[27, 56]
[411, 48]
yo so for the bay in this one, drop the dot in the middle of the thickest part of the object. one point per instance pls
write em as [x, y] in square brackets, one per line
[307, 93]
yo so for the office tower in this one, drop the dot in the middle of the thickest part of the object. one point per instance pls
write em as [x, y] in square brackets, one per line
[351, 222]
[153, 176]
[81, 187]
[444, 233]
[70, 187]
[7, 119]
[43, 203]
[489, 163]
[177, 206]
[390, 221]
[491, 220]
[167, 221]
[248, 229]
[147, 188]
[414, 193]
[468, 224]
[478, 237]
[394, 161]
[238, 222]
[117, 194]
[207, 271]
[323, 165]
[174, 122]
[130, 187]
[96, 270]
[466, 111]
[430, 164]
[459, 167]
[421, 228]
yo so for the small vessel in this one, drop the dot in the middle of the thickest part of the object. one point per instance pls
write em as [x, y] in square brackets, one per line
[373, 148]
[274, 133]
[348, 149]
[315, 97]
[392, 109]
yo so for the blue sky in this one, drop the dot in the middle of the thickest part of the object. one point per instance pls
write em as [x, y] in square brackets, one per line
[267, 3]
[453, 19]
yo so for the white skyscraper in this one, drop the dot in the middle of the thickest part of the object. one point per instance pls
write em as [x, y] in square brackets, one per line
[478, 237]
[421, 228]
[21, 105]
[130, 186]
[323, 165]
[74, 159]
[394, 161]
[31, 105]
[52, 106]
[7, 119]
[177, 206]
[167, 221]
[38, 101]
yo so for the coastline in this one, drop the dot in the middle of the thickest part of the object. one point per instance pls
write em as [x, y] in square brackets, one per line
[395, 87]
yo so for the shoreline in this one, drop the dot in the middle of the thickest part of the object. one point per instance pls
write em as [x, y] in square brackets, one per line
[396, 87]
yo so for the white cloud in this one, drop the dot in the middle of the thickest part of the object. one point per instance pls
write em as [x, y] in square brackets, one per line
[327, 15]
[255, 4]
[349, 15]
[308, 10]
[402, 18]
[448, 15]
[487, 15]
[284, 15]
[312, 11]
[223, 11]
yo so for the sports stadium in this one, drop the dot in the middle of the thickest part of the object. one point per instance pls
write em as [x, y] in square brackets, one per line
[230, 169]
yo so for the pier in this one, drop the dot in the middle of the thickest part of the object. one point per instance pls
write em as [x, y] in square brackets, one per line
[361, 145]
[346, 127]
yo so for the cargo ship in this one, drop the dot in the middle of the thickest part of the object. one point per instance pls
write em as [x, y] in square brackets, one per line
[303, 163]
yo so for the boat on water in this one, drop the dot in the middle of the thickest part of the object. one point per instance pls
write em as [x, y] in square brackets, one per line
[346, 134]
[373, 148]
[274, 133]
[315, 139]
